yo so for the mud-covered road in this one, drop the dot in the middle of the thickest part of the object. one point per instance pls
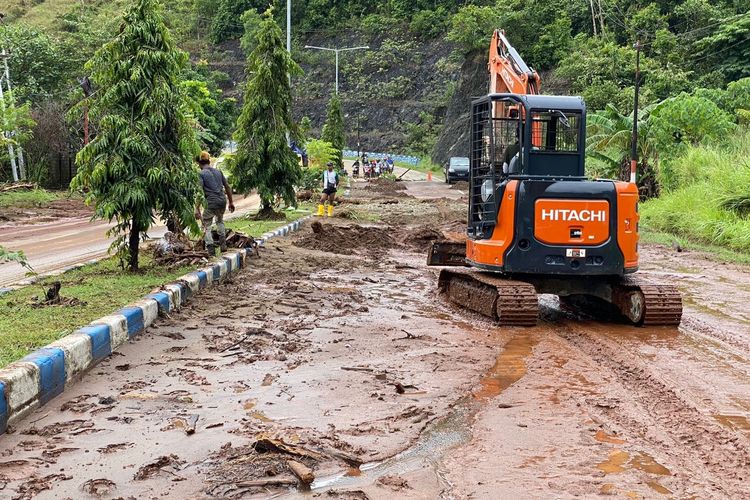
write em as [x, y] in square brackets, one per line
[63, 235]
[333, 350]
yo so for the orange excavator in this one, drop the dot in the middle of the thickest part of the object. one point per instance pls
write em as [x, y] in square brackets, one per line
[536, 223]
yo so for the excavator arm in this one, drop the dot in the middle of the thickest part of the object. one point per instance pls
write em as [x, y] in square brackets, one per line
[508, 71]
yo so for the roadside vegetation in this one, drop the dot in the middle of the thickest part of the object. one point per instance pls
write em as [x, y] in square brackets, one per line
[694, 100]
[95, 289]
[250, 224]
[99, 289]
[709, 201]
[28, 198]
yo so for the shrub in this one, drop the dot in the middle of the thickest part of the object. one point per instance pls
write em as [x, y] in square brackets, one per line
[687, 120]
[429, 23]
[311, 178]
[711, 195]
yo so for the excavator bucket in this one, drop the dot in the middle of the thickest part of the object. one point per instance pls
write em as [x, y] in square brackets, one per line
[447, 253]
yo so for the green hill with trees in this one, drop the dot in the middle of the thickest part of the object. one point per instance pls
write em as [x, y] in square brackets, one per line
[410, 92]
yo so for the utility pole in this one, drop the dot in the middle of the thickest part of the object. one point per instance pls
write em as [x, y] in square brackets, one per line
[336, 51]
[358, 141]
[634, 139]
[289, 26]
[5, 75]
[18, 169]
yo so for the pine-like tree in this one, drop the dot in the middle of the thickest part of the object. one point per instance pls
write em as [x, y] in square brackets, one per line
[333, 129]
[140, 163]
[264, 160]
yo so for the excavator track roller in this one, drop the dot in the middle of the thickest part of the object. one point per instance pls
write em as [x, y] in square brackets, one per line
[648, 304]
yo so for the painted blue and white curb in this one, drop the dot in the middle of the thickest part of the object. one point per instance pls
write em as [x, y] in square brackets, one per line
[284, 230]
[45, 373]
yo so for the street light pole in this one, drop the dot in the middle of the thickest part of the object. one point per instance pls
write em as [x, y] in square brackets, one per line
[289, 26]
[336, 51]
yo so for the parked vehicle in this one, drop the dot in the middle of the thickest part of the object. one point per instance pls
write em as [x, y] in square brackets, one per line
[457, 169]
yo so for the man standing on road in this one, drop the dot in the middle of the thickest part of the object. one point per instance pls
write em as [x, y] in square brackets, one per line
[330, 182]
[214, 185]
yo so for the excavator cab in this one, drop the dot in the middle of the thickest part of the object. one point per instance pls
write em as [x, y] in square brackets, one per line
[532, 209]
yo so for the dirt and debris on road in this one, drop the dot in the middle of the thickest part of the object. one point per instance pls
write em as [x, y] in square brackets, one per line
[331, 364]
[63, 208]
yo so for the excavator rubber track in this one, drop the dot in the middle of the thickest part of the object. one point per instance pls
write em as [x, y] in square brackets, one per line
[648, 304]
[509, 302]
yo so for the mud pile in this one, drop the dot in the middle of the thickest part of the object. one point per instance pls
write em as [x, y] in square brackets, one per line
[385, 186]
[419, 238]
[59, 209]
[461, 185]
[347, 240]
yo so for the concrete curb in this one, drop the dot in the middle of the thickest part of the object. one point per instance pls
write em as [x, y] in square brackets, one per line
[33, 381]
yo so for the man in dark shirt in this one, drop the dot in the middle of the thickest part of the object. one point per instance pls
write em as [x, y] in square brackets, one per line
[214, 185]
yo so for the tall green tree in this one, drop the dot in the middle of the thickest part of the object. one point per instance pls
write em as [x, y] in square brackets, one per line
[264, 160]
[333, 128]
[227, 23]
[140, 163]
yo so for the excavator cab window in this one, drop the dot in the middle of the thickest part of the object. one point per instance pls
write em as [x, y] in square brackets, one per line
[555, 131]
[556, 143]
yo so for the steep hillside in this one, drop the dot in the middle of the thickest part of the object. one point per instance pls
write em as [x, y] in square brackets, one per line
[391, 92]
[411, 91]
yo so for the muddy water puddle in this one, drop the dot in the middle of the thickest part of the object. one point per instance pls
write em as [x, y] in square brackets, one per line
[509, 368]
[734, 422]
[447, 432]
[620, 461]
[603, 437]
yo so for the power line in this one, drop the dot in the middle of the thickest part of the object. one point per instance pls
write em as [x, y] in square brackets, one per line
[745, 40]
[678, 36]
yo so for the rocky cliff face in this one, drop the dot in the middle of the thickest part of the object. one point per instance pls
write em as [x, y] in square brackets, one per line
[454, 137]
[399, 83]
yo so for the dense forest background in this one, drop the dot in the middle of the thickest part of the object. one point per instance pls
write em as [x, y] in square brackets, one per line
[411, 91]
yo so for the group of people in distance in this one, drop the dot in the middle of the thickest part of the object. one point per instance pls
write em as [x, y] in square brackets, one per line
[373, 168]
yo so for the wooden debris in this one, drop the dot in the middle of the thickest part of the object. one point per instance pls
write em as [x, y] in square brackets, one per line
[303, 472]
[349, 458]
[17, 186]
[264, 444]
[191, 421]
[270, 481]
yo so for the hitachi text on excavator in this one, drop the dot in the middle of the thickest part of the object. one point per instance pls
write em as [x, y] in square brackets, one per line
[536, 223]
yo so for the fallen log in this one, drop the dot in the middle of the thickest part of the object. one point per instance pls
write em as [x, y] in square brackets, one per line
[17, 187]
[349, 458]
[265, 444]
[303, 472]
[271, 481]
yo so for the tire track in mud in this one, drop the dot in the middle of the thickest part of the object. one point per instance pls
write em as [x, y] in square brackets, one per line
[702, 327]
[711, 457]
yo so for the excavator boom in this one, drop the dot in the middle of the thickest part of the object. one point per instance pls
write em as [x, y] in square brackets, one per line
[509, 73]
